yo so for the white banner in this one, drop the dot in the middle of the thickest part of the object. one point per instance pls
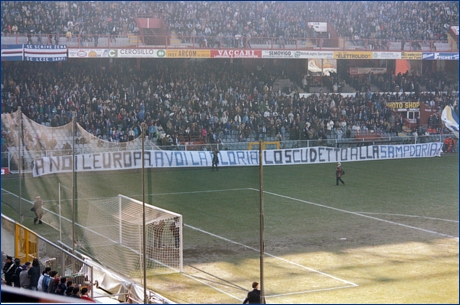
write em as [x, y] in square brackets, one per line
[166, 159]
[386, 55]
[354, 71]
[318, 26]
[278, 54]
[314, 54]
[454, 29]
[297, 54]
[88, 53]
[137, 53]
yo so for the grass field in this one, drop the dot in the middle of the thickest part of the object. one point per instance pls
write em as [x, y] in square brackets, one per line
[390, 235]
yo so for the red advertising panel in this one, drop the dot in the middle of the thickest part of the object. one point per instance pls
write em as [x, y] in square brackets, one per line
[236, 53]
[5, 171]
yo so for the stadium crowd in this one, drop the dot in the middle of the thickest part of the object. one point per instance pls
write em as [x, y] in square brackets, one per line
[183, 98]
[34, 277]
[207, 101]
[385, 20]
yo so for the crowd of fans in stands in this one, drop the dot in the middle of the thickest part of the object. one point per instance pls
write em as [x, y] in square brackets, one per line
[206, 100]
[34, 277]
[183, 98]
[386, 20]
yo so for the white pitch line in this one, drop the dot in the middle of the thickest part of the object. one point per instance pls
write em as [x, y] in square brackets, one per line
[271, 255]
[412, 216]
[163, 194]
[231, 241]
[198, 192]
[306, 291]
[213, 287]
[360, 214]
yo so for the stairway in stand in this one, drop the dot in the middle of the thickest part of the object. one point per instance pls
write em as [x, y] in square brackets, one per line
[174, 39]
[134, 39]
[309, 43]
[452, 41]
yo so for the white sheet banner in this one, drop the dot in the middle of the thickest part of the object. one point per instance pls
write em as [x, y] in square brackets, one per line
[165, 159]
[318, 26]
[368, 70]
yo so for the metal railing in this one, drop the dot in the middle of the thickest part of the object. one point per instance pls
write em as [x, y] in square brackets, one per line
[174, 41]
[21, 242]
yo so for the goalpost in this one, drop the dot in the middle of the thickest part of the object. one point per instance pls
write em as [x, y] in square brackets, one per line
[111, 233]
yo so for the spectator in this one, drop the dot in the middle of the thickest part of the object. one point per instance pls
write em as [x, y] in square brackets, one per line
[24, 277]
[84, 294]
[17, 271]
[75, 292]
[44, 280]
[61, 287]
[34, 274]
[8, 270]
[54, 281]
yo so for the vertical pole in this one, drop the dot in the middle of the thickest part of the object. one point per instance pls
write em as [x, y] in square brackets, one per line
[60, 214]
[63, 257]
[143, 215]
[21, 216]
[261, 202]
[141, 264]
[92, 282]
[73, 183]
[181, 245]
[120, 232]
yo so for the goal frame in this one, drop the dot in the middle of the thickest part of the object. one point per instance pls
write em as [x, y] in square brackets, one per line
[120, 230]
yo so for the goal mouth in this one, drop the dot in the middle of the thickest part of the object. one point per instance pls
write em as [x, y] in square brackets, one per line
[111, 232]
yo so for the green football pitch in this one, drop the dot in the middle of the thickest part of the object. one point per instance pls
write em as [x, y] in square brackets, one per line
[389, 235]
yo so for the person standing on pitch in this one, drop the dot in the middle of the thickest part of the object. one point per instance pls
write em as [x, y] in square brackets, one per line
[158, 232]
[38, 210]
[339, 172]
[215, 159]
[254, 295]
[175, 229]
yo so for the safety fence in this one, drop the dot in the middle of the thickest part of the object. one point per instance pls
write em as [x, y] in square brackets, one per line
[22, 243]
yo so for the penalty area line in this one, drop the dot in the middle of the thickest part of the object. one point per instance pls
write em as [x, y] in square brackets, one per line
[211, 286]
[362, 215]
[410, 216]
[273, 256]
[307, 291]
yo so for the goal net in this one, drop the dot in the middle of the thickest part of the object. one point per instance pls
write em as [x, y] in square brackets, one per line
[113, 231]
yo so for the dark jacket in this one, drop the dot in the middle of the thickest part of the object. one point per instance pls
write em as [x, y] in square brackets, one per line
[253, 297]
[53, 284]
[61, 288]
[8, 270]
[34, 273]
[17, 270]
